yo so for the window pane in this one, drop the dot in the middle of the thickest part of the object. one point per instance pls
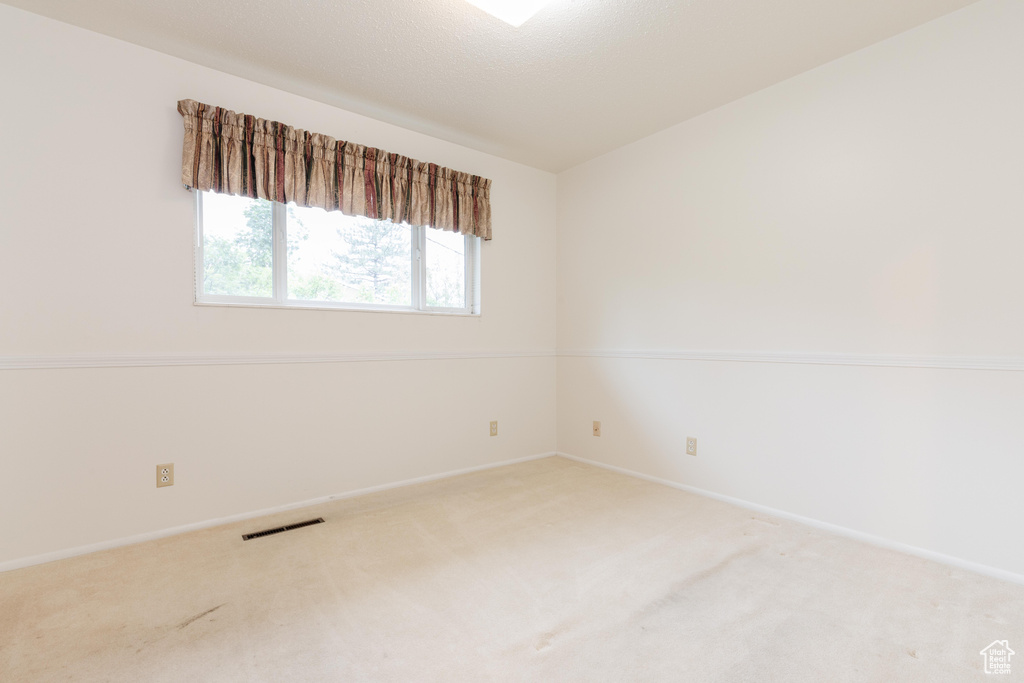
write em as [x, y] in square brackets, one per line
[238, 239]
[348, 259]
[446, 269]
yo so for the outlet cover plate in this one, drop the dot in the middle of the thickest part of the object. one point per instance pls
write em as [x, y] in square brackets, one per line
[597, 428]
[165, 475]
[494, 428]
[691, 445]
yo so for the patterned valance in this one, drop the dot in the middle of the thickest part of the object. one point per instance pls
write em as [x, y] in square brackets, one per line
[243, 155]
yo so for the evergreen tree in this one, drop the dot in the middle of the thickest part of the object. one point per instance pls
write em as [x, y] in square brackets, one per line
[377, 257]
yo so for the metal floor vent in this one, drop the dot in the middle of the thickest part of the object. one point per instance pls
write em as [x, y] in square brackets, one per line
[289, 527]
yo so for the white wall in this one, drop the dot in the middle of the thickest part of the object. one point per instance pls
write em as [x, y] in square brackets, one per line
[96, 259]
[870, 208]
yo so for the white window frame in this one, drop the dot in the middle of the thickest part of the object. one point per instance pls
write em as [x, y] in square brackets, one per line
[280, 275]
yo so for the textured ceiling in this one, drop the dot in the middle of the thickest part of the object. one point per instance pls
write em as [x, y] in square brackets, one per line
[579, 79]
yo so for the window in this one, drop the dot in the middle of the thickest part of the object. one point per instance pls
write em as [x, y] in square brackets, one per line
[261, 253]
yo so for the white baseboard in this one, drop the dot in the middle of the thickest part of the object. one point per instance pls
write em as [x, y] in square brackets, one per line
[173, 531]
[782, 514]
[825, 526]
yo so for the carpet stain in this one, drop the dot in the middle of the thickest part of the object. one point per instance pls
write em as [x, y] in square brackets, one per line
[545, 641]
[199, 616]
[677, 593]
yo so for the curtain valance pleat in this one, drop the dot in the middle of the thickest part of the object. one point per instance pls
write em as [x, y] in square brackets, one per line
[243, 155]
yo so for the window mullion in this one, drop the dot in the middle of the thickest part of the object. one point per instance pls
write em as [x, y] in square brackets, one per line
[419, 272]
[473, 246]
[423, 268]
[280, 259]
[199, 267]
[468, 253]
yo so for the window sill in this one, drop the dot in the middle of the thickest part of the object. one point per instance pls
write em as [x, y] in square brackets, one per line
[323, 306]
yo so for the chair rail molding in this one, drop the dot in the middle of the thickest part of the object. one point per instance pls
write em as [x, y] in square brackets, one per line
[144, 360]
[1006, 363]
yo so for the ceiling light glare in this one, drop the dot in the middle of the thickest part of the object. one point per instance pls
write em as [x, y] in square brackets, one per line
[514, 12]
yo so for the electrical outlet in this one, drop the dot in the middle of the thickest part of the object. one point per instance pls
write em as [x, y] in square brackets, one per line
[597, 428]
[691, 445]
[494, 428]
[165, 475]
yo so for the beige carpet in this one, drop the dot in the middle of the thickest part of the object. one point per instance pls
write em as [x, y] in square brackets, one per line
[544, 571]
